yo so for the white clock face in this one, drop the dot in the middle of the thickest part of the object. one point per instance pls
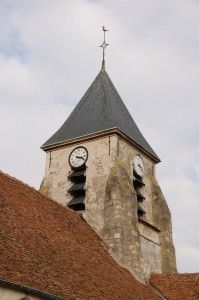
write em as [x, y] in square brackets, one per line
[138, 165]
[78, 157]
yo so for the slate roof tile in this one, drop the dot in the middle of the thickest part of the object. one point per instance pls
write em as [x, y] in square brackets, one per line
[101, 108]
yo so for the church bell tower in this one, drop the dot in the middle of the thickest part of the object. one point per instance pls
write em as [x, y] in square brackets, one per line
[100, 165]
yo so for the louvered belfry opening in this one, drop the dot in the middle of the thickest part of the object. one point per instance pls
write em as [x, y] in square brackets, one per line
[77, 190]
[138, 185]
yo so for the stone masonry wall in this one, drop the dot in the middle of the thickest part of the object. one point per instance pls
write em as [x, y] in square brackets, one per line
[101, 153]
[127, 152]
[120, 231]
[111, 203]
[162, 219]
[157, 214]
[9, 294]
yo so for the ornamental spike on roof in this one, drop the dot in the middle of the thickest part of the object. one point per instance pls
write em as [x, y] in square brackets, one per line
[101, 108]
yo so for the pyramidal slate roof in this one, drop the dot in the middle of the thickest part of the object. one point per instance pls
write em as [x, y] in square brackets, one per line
[101, 108]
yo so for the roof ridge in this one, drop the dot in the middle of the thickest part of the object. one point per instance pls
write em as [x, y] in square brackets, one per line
[174, 274]
[18, 180]
[110, 104]
[101, 78]
[14, 179]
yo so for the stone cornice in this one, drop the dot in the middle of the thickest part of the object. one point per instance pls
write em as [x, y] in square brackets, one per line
[100, 134]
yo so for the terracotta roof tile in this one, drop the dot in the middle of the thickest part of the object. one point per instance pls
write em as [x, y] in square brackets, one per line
[49, 247]
[177, 286]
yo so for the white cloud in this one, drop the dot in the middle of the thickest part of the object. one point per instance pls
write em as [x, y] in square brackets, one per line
[49, 55]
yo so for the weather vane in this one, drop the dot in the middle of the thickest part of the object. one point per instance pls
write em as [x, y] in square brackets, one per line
[103, 46]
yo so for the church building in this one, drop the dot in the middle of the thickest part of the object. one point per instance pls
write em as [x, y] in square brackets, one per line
[100, 227]
[99, 164]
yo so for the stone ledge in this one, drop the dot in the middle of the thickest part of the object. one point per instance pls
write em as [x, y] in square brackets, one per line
[148, 224]
[149, 231]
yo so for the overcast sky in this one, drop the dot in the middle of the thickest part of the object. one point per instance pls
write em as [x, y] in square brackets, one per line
[49, 55]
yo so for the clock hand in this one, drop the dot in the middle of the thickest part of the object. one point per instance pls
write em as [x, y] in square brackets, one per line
[79, 157]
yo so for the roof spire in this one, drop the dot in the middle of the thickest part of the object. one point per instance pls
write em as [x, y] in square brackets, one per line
[103, 46]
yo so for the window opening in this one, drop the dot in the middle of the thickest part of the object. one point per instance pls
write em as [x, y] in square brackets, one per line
[77, 190]
[138, 185]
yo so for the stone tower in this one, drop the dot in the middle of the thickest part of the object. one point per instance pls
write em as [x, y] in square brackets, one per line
[99, 164]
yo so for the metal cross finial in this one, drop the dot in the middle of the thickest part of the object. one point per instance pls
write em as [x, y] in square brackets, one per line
[103, 46]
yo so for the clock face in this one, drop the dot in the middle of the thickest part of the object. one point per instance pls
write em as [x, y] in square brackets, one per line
[78, 157]
[138, 165]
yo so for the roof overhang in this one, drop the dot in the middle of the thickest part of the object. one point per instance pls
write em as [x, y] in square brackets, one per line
[100, 134]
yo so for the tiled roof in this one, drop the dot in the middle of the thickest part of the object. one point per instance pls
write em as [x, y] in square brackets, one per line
[101, 108]
[48, 247]
[177, 286]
